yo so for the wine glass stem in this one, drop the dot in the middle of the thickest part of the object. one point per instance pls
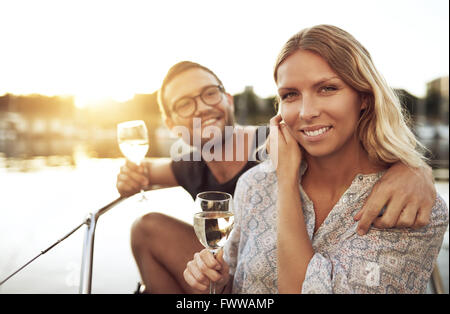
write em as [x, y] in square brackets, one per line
[212, 284]
[142, 194]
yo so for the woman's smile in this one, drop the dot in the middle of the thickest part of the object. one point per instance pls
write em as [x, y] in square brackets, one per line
[315, 134]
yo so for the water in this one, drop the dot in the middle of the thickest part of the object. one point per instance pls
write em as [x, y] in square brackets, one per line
[41, 205]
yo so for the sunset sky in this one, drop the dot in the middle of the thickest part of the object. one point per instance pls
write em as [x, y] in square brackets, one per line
[114, 49]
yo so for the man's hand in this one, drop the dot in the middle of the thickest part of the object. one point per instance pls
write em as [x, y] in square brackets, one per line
[408, 195]
[132, 178]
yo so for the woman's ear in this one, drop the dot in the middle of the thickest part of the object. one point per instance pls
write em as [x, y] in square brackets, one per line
[364, 101]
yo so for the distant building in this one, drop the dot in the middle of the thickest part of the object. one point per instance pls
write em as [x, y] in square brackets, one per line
[436, 101]
[4, 103]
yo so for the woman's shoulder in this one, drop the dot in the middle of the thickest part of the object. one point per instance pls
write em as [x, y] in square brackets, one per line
[439, 212]
[262, 171]
[261, 174]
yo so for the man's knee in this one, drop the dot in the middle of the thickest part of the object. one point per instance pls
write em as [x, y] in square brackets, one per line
[146, 228]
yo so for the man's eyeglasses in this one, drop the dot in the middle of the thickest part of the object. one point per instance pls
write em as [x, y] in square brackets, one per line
[210, 95]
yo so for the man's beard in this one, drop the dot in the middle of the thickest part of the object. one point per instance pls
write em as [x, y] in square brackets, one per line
[217, 140]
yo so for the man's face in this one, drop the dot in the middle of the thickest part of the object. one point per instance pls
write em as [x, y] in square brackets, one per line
[191, 84]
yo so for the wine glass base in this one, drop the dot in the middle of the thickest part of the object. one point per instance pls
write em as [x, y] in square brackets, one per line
[142, 199]
[142, 196]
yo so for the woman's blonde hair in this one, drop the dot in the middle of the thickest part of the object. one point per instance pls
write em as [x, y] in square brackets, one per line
[382, 127]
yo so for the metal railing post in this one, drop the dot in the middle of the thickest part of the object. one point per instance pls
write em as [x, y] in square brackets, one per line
[88, 247]
[88, 256]
[436, 281]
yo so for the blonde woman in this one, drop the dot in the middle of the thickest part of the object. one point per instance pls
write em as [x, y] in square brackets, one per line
[338, 130]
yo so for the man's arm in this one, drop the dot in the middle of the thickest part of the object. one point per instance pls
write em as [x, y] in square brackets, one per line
[378, 264]
[151, 172]
[408, 194]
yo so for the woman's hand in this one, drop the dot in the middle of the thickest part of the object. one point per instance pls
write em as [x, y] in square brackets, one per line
[285, 151]
[408, 196]
[132, 178]
[205, 268]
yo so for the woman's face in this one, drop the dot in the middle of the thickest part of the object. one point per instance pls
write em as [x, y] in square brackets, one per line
[320, 109]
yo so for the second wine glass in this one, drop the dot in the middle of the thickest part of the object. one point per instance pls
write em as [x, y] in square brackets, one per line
[132, 137]
[214, 223]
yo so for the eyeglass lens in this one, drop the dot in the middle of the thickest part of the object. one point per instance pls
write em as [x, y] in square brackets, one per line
[186, 107]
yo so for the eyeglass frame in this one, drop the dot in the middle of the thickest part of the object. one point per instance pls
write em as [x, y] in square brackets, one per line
[194, 98]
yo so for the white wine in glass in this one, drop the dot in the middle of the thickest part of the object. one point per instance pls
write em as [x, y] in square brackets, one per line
[214, 223]
[132, 137]
[213, 228]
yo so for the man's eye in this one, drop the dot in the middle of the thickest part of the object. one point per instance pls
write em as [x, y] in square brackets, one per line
[183, 104]
[211, 93]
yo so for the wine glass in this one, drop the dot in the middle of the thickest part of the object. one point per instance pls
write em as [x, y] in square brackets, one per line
[214, 223]
[132, 137]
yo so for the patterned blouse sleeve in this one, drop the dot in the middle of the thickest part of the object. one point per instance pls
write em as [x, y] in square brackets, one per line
[382, 261]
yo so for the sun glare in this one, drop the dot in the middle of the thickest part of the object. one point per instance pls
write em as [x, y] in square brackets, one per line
[98, 49]
[88, 100]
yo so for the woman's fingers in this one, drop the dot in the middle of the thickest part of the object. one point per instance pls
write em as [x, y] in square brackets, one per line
[284, 148]
[275, 121]
[224, 266]
[274, 139]
[192, 280]
[197, 272]
[203, 269]
[287, 135]
[208, 265]
[274, 133]
[277, 135]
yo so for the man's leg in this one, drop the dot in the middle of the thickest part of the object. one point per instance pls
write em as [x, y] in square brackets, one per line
[162, 246]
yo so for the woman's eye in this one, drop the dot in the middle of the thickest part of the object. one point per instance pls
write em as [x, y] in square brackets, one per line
[288, 96]
[328, 89]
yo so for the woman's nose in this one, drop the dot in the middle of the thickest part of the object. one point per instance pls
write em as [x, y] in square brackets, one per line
[308, 110]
